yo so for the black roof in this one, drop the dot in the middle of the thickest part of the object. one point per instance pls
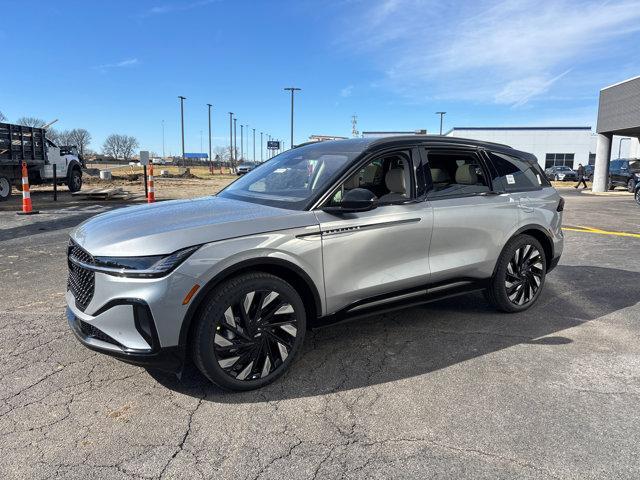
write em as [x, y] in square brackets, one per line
[362, 143]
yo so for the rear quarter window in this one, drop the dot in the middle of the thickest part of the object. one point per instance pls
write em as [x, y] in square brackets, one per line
[513, 174]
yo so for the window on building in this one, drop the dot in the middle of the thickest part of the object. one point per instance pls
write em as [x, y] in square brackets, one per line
[592, 159]
[559, 159]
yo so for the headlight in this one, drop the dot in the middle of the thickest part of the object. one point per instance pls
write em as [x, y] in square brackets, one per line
[637, 174]
[139, 267]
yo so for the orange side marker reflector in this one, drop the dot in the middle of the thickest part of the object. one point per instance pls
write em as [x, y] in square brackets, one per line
[191, 293]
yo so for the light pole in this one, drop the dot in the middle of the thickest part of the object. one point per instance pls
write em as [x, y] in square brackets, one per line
[261, 148]
[182, 99]
[241, 142]
[210, 159]
[442, 114]
[163, 139]
[230, 139]
[292, 90]
[254, 145]
[235, 139]
[620, 145]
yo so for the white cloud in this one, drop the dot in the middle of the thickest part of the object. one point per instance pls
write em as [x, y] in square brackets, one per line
[346, 91]
[175, 7]
[507, 51]
[124, 63]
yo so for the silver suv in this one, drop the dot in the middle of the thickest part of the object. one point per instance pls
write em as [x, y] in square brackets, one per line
[319, 233]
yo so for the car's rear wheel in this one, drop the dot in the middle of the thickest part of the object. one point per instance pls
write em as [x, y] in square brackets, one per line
[5, 188]
[631, 185]
[249, 331]
[637, 196]
[519, 275]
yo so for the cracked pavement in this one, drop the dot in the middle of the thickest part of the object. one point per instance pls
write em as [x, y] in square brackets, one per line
[448, 390]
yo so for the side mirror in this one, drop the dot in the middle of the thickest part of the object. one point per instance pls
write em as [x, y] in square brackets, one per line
[355, 200]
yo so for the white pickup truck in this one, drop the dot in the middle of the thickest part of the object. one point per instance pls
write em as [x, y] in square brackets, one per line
[19, 143]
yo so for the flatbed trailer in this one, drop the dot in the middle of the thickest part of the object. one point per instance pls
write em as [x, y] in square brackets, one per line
[19, 144]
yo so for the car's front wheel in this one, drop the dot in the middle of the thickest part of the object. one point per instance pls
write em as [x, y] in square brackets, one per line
[637, 196]
[249, 331]
[519, 275]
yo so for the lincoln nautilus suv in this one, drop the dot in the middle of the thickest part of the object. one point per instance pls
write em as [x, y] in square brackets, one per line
[320, 233]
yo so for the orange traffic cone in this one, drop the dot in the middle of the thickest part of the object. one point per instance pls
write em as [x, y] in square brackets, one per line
[27, 208]
[152, 191]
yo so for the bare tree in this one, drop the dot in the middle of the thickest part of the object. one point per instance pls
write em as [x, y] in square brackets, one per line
[53, 135]
[31, 122]
[64, 137]
[120, 146]
[129, 145]
[81, 138]
[2, 117]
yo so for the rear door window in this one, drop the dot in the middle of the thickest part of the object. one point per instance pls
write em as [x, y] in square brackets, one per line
[511, 174]
[455, 173]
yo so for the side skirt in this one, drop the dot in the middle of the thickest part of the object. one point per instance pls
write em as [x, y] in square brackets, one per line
[401, 299]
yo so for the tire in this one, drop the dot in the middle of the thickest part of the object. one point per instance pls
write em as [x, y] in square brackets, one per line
[631, 185]
[236, 343]
[519, 275]
[5, 188]
[637, 196]
[74, 180]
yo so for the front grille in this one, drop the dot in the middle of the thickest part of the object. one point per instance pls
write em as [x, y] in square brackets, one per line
[93, 332]
[81, 281]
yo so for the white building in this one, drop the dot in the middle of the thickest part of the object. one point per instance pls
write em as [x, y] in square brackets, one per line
[551, 145]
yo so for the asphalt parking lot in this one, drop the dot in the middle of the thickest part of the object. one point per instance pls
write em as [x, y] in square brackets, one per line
[448, 390]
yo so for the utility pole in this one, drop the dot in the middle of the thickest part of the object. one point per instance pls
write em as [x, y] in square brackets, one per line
[230, 139]
[254, 145]
[292, 90]
[182, 99]
[261, 148]
[442, 114]
[241, 142]
[210, 159]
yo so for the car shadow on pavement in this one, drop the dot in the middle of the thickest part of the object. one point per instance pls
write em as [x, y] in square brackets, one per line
[417, 341]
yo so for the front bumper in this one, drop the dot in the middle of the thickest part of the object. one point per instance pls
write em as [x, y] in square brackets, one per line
[169, 359]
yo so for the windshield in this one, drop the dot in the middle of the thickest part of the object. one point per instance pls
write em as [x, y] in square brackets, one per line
[293, 178]
[564, 169]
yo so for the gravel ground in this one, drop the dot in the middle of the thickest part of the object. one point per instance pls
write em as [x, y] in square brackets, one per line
[448, 390]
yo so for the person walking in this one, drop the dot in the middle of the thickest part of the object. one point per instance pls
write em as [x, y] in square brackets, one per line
[581, 178]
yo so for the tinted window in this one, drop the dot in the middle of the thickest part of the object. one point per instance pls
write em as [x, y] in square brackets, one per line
[455, 173]
[513, 174]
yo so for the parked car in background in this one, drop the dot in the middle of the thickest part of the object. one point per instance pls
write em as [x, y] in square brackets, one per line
[245, 167]
[561, 173]
[588, 172]
[624, 173]
[319, 233]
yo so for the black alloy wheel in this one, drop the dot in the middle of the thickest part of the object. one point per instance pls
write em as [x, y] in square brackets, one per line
[250, 331]
[524, 275]
[631, 185]
[519, 276]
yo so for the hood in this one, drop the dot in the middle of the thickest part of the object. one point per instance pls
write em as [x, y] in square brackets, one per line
[165, 227]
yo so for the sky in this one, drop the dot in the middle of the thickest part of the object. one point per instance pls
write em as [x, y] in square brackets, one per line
[119, 66]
